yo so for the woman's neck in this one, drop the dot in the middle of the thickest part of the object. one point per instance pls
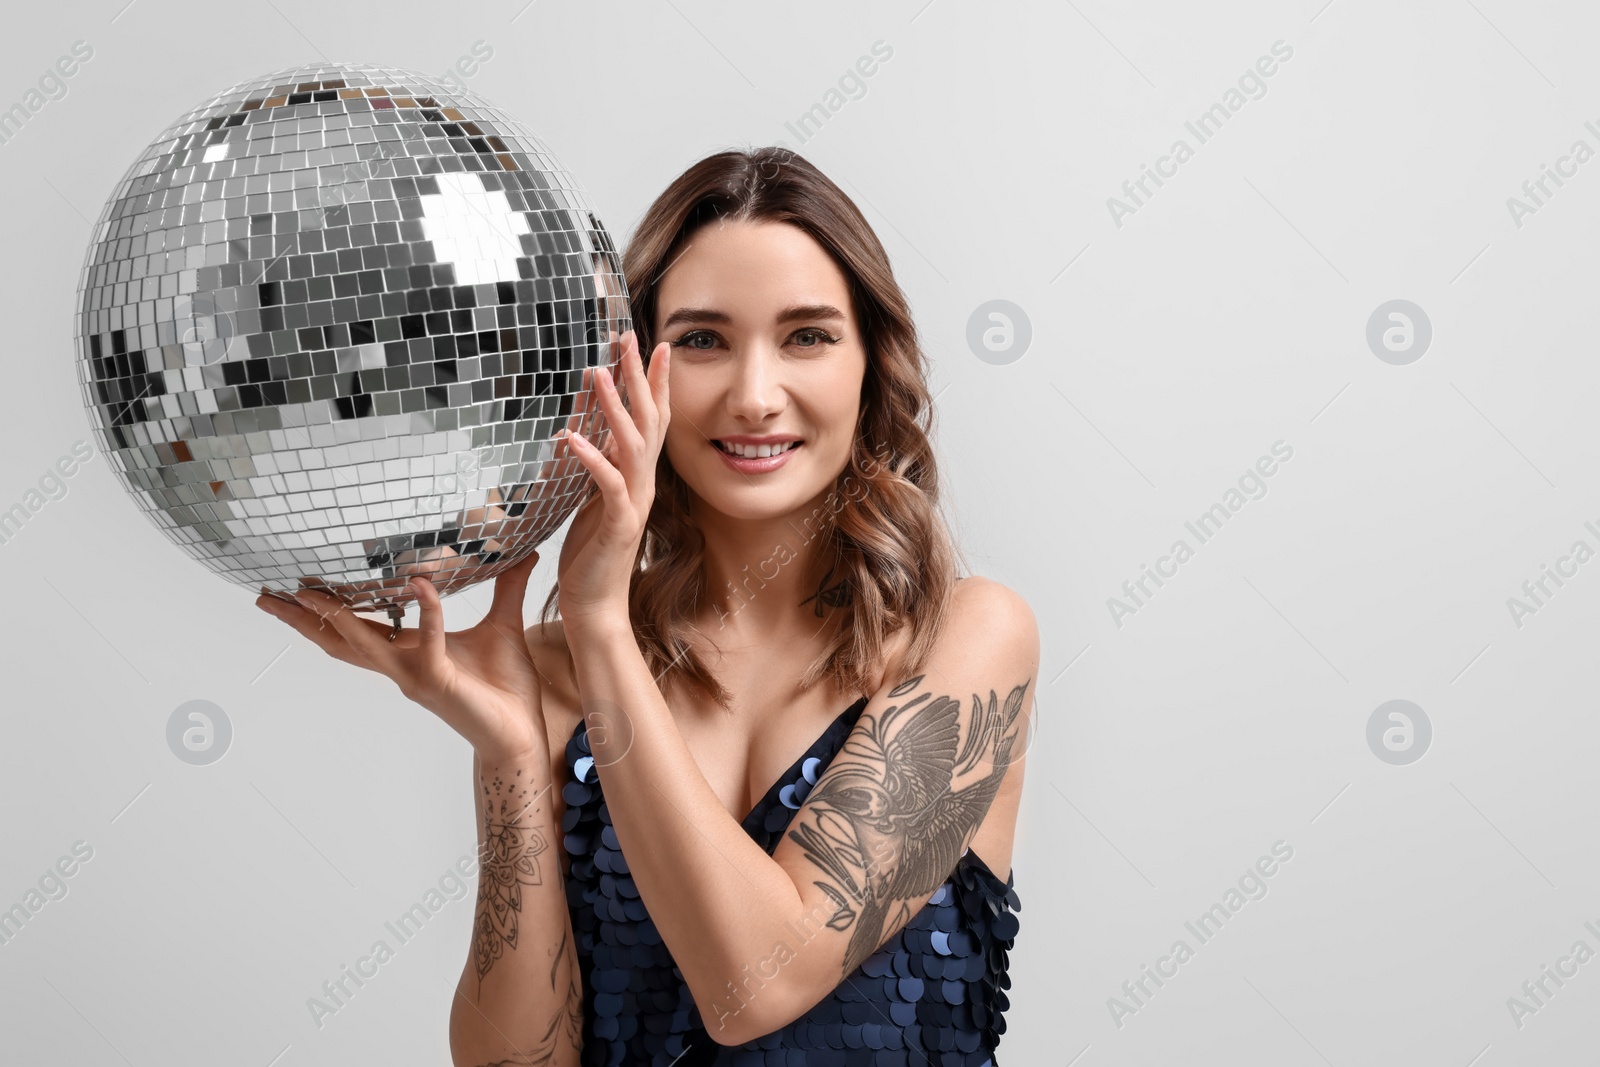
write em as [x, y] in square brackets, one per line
[769, 576]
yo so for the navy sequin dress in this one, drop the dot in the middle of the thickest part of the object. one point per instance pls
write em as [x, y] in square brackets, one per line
[934, 994]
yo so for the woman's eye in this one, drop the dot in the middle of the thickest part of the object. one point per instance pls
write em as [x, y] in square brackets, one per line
[817, 338]
[691, 339]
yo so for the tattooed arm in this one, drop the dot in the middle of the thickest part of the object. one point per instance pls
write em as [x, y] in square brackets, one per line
[519, 1002]
[890, 817]
[760, 939]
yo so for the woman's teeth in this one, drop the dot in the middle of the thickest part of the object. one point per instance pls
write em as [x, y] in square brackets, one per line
[755, 451]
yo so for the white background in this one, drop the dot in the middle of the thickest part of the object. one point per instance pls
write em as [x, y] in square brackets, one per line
[1168, 353]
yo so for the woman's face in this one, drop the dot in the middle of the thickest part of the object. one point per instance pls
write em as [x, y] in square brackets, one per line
[765, 344]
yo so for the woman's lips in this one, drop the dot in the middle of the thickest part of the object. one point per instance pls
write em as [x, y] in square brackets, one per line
[759, 465]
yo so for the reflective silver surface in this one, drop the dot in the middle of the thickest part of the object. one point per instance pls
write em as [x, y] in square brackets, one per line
[328, 324]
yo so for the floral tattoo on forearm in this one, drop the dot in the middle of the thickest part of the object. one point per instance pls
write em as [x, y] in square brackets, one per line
[886, 824]
[510, 861]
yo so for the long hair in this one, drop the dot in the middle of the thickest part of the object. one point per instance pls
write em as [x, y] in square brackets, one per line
[891, 559]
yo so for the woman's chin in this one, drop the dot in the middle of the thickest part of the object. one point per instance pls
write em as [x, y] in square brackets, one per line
[753, 503]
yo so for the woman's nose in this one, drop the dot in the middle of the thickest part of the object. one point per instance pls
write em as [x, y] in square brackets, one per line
[757, 389]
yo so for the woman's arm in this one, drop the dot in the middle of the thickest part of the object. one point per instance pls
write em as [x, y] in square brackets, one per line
[519, 1002]
[515, 1003]
[760, 939]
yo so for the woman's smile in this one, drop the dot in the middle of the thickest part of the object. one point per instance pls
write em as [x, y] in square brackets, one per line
[750, 455]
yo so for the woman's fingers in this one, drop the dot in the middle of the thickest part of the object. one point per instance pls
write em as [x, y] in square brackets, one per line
[587, 418]
[653, 406]
[660, 365]
[642, 392]
[430, 624]
[610, 482]
[624, 431]
[510, 589]
[641, 404]
[306, 623]
[366, 638]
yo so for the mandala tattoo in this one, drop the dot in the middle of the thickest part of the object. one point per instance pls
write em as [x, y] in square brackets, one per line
[510, 861]
[885, 823]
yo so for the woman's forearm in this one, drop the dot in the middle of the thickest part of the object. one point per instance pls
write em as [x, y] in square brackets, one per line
[719, 901]
[519, 1001]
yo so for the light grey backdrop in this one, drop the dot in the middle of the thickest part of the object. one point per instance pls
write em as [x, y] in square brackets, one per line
[1174, 341]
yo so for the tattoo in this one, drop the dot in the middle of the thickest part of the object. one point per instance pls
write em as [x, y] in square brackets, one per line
[510, 861]
[888, 825]
[566, 1025]
[837, 595]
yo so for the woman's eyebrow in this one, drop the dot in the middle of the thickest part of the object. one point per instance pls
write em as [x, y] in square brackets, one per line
[810, 311]
[789, 314]
[682, 315]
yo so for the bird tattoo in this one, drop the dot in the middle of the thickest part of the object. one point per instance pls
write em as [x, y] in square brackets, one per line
[887, 825]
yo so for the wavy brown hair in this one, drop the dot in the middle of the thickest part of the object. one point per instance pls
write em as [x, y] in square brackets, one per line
[888, 551]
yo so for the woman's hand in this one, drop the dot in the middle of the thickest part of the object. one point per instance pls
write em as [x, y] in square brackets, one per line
[598, 555]
[481, 681]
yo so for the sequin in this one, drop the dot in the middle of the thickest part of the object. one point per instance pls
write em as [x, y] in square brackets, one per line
[931, 995]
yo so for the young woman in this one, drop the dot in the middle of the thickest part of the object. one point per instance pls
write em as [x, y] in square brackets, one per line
[748, 797]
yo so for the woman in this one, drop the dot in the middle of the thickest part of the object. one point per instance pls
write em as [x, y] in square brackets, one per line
[691, 855]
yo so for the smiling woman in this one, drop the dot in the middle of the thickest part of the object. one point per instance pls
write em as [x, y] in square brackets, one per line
[860, 909]
[690, 854]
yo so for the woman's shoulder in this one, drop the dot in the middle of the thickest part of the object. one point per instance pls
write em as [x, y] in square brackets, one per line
[983, 590]
[984, 606]
[984, 614]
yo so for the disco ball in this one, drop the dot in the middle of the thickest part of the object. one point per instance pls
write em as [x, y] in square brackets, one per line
[328, 325]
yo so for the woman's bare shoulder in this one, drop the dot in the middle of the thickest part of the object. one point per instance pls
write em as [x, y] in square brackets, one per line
[984, 601]
[979, 607]
[993, 623]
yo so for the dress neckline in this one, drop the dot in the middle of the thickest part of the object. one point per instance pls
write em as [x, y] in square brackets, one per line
[751, 823]
[849, 715]
[766, 799]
